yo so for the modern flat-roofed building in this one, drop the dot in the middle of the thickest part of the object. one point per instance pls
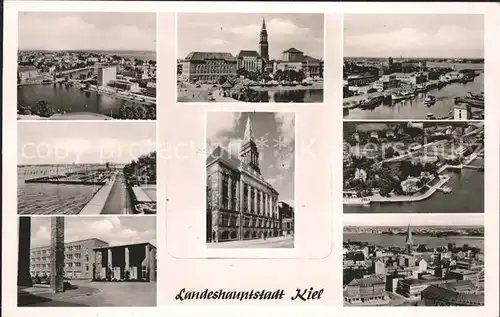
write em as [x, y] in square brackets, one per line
[78, 259]
[208, 66]
[131, 262]
[105, 75]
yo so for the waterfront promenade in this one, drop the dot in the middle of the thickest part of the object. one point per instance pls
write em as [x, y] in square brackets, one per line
[398, 199]
[96, 204]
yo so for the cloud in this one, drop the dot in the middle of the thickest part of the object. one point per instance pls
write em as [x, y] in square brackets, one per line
[51, 31]
[214, 42]
[448, 41]
[278, 27]
[220, 122]
[113, 230]
[286, 125]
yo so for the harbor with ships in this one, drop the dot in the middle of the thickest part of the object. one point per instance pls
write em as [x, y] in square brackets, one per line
[413, 89]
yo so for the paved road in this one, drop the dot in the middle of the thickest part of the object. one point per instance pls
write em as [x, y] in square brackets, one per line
[118, 201]
[255, 244]
[103, 294]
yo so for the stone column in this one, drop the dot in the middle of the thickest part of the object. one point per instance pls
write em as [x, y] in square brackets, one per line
[237, 196]
[266, 204]
[230, 193]
[127, 259]
[110, 258]
[249, 200]
[261, 205]
[256, 192]
[146, 261]
[242, 195]
[57, 254]
[219, 190]
[24, 252]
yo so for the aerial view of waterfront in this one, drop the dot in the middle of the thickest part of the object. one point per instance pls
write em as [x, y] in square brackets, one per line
[59, 79]
[95, 168]
[405, 167]
[387, 75]
[282, 62]
[437, 262]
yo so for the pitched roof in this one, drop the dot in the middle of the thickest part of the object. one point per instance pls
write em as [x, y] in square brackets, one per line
[227, 84]
[26, 68]
[202, 56]
[452, 297]
[292, 50]
[366, 282]
[219, 154]
[248, 54]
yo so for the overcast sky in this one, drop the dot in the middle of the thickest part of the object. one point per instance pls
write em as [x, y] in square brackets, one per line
[414, 35]
[277, 162]
[84, 142]
[232, 32]
[114, 230]
[87, 31]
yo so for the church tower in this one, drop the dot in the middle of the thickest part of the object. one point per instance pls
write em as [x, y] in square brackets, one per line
[263, 45]
[249, 153]
[409, 241]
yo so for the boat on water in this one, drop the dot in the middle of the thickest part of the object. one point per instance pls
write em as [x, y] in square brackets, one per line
[446, 189]
[397, 96]
[430, 100]
[430, 116]
[479, 96]
[356, 201]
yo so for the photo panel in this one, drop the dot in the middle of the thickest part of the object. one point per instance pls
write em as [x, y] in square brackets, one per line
[100, 66]
[250, 57]
[97, 261]
[241, 196]
[414, 260]
[413, 167]
[413, 66]
[95, 168]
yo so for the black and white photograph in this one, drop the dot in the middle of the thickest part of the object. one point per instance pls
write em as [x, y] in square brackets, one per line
[250, 57]
[86, 168]
[428, 262]
[413, 167]
[250, 179]
[413, 66]
[86, 66]
[87, 261]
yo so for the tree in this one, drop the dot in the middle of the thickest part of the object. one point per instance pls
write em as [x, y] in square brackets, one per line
[222, 80]
[241, 72]
[151, 113]
[43, 109]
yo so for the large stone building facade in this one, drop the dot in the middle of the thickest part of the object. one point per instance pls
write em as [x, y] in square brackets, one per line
[250, 60]
[241, 205]
[208, 66]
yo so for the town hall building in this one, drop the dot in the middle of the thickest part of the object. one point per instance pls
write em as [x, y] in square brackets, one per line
[241, 204]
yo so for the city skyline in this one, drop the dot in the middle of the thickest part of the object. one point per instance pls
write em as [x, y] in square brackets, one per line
[214, 32]
[277, 163]
[84, 142]
[416, 35]
[114, 230]
[404, 221]
[104, 31]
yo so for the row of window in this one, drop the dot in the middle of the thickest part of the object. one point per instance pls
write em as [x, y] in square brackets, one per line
[232, 221]
[68, 264]
[47, 251]
[75, 256]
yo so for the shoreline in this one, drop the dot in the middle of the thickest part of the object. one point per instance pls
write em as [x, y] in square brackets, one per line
[67, 116]
[314, 86]
[428, 236]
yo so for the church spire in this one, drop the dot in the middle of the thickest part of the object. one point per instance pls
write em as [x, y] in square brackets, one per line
[263, 23]
[409, 240]
[249, 136]
[249, 154]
